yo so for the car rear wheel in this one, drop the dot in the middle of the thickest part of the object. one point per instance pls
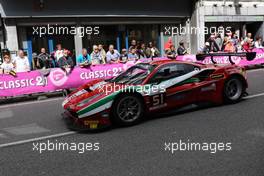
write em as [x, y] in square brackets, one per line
[128, 110]
[233, 90]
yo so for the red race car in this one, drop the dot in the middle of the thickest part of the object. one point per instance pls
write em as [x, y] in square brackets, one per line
[153, 87]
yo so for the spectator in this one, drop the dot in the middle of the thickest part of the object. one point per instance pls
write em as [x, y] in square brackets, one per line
[142, 51]
[181, 50]
[84, 58]
[43, 61]
[21, 62]
[53, 60]
[229, 47]
[219, 40]
[247, 45]
[226, 39]
[65, 62]
[96, 57]
[102, 52]
[59, 52]
[213, 45]
[132, 56]
[7, 66]
[258, 43]
[112, 56]
[152, 51]
[249, 36]
[124, 56]
[205, 49]
[133, 45]
[171, 53]
[235, 41]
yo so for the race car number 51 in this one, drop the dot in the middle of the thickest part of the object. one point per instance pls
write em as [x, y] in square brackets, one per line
[158, 100]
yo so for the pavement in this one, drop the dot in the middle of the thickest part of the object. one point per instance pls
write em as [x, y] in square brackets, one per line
[139, 150]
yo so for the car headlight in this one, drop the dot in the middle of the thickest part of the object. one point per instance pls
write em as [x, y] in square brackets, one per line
[85, 101]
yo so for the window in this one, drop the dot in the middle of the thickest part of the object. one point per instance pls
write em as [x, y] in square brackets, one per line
[170, 71]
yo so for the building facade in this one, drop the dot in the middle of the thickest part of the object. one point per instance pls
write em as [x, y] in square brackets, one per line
[242, 16]
[121, 21]
[118, 22]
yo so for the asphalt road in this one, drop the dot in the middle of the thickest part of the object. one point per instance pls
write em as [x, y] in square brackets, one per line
[138, 150]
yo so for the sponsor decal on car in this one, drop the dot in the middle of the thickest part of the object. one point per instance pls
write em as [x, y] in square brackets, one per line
[93, 124]
[83, 91]
[217, 76]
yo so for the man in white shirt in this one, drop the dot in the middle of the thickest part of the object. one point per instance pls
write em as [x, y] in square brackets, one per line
[112, 56]
[21, 62]
[59, 53]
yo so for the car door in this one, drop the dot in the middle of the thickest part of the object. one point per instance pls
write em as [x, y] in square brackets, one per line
[179, 84]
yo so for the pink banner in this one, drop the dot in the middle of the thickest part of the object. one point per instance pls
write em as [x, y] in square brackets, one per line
[34, 82]
[224, 59]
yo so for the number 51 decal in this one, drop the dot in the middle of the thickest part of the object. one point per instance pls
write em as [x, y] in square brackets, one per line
[158, 99]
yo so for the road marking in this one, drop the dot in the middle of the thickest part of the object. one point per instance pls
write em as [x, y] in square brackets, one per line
[26, 129]
[6, 114]
[29, 103]
[37, 139]
[254, 96]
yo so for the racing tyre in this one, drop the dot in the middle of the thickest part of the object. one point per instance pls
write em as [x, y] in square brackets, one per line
[128, 110]
[233, 90]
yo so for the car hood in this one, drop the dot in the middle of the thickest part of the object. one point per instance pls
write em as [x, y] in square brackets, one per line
[90, 94]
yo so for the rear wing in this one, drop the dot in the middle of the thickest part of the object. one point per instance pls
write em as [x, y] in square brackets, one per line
[248, 55]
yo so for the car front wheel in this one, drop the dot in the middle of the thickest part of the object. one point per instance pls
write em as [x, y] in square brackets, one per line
[128, 110]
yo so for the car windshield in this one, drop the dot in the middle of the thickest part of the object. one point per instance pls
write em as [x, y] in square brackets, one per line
[134, 75]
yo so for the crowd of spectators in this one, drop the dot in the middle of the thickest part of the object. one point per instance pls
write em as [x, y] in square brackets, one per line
[231, 43]
[63, 58]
